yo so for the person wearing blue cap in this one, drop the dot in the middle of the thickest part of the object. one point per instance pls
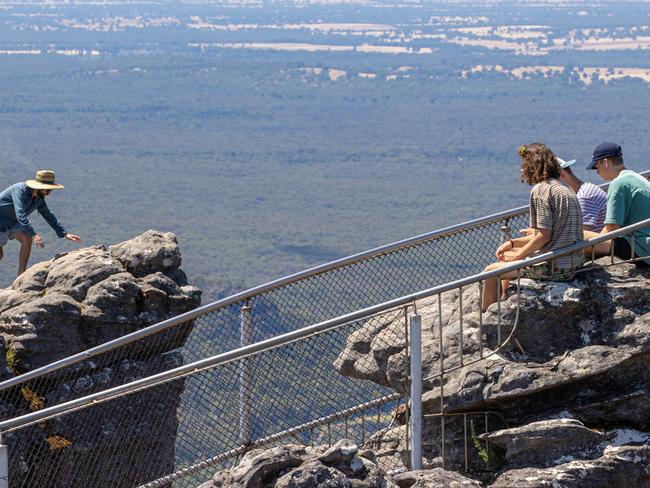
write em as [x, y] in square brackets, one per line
[592, 199]
[628, 202]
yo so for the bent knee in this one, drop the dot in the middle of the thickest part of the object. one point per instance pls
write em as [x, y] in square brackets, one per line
[492, 266]
[24, 238]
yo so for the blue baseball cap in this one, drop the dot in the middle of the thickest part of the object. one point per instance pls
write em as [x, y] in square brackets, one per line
[605, 150]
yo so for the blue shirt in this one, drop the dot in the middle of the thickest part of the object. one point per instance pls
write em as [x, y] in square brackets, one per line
[16, 203]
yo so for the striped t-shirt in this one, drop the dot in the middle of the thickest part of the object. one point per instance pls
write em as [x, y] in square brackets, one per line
[593, 202]
[554, 206]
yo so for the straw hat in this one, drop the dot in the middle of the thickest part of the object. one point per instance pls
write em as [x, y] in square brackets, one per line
[44, 181]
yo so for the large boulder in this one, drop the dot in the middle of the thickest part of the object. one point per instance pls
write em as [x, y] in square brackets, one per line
[106, 441]
[69, 304]
[619, 466]
[148, 253]
[435, 478]
[293, 466]
[87, 297]
[577, 365]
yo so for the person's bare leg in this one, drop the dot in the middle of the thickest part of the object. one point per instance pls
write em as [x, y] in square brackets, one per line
[490, 292]
[25, 251]
[490, 288]
[504, 289]
[600, 249]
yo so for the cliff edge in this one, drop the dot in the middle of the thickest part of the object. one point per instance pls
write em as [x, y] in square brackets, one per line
[71, 303]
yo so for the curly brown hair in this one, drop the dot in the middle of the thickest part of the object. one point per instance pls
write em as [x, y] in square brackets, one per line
[538, 163]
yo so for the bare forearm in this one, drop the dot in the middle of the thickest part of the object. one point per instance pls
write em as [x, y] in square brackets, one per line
[610, 228]
[522, 241]
[535, 243]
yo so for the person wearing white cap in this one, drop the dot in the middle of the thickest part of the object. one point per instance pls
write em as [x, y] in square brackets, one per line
[20, 200]
[592, 199]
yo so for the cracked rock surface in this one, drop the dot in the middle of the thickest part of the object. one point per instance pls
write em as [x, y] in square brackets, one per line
[572, 392]
[71, 303]
[294, 466]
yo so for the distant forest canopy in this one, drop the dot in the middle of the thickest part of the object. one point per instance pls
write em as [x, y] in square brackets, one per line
[265, 160]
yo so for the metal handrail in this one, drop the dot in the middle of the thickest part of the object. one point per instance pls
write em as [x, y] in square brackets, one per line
[257, 291]
[208, 363]
[206, 463]
[265, 288]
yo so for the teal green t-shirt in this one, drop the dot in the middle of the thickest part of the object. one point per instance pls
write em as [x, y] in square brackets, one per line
[628, 202]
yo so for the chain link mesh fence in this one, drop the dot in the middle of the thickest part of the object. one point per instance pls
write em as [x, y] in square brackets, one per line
[327, 295]
[289, 394]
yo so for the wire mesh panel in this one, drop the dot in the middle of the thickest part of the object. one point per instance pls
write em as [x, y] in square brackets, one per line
[293, 393]
[287, 308]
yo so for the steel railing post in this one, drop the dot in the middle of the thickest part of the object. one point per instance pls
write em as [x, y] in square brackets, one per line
[415, 330]
[4, 464]
[245, 378]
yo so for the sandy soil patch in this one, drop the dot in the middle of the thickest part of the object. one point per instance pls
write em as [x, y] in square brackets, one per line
[586, 75]
[277, 46]
[336, 74]
[198, 23]
[507, 31]
[455, 20]
[340, 27]
[608, 44]
[311, 71]
[607, 74]
[11, 52]
[517, 47]
[116, 24]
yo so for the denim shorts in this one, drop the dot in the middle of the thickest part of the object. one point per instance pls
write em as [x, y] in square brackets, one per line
[9, 234]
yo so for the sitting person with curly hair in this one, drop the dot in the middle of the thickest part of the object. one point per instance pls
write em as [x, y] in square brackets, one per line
[554, 215]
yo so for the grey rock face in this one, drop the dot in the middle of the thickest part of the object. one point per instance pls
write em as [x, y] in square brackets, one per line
[86, 297]
[580, 366]
[33, 279]
[544, 443]
[313, 473]
[298, 466]
[76, 301]
[43, 328]
[74, 272]
[590, 330]
[113, 434]
[435, 478]
[620, 466]
[148, 253]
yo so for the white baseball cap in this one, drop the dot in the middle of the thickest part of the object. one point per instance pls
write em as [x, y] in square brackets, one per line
[564, 164]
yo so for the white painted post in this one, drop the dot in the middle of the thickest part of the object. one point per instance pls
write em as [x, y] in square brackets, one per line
[415, 331]
[245, 378]
[4, 465]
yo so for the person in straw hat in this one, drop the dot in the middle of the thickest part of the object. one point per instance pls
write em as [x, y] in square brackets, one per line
[20, 200]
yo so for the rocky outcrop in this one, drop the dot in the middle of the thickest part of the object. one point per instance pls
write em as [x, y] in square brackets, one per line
[294, 466]
[575, 374]
[434, 478]
[71, 303]
[620, 466]
[89, 296]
